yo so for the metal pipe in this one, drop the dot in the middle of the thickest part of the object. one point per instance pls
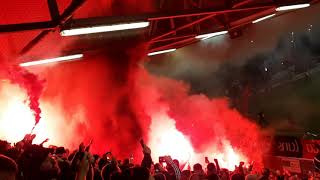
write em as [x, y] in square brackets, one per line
[206, 12]
[174, 38]
[173, 44]
[54, 10]
[242, 3]
[75, 4]
[26, 26]
[34, 41]
[68, 12]
[183, 27]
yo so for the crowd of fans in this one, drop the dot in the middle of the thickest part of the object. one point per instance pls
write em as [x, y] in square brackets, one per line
[27, 161]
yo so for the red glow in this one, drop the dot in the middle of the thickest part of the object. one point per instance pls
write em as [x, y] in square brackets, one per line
[165, 139]
[191, 127]
[116, 103]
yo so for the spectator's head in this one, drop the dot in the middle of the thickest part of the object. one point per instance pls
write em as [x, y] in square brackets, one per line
[211, 169]
[8, 168]
[197, 168]
[4, 146]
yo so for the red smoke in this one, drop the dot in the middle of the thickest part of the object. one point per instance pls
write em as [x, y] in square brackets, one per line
[111, 99]
[210, 124]
[26, 80]
[97, 99]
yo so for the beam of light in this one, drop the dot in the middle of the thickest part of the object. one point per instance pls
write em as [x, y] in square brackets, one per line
[291, 7]
[210, 35]
[161, 52]
[52, 60]
[16, 118]
[263, 18]
[166, 139]
[105, 28]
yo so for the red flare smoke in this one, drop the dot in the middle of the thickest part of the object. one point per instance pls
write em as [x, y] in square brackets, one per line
[114, 101]
[26, 80]
[31, 83]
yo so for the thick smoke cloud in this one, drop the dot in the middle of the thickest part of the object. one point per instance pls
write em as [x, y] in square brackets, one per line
[109, 97]
[26, 80]
[102, 86]
[207, 122]
[118, 100]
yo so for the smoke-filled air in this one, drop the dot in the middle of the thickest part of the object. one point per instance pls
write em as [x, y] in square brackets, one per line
[111, 98]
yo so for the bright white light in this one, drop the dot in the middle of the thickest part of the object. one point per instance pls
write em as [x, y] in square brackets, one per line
[265, 69]
[106, 28]
[291, 7]
[263, 18]
[161, 52]
[210, 35]
[165, 139]
[46, 61]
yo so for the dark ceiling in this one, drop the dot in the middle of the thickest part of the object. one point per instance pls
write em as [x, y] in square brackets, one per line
[173, 24]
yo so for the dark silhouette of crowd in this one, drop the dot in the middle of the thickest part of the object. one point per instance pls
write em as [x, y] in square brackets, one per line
[27, 161]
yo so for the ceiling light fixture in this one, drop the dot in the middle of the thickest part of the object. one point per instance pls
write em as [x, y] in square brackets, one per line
[104, 28]
[161, 52]
[52, 60]
[210, 35]
[292, 7]
[263, 18]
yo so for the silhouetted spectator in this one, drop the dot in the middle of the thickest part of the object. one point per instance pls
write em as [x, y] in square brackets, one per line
[8, 168]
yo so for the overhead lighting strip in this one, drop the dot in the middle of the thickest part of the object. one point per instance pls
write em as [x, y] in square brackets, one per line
[52, 60]
[103, 28]
[161, 52]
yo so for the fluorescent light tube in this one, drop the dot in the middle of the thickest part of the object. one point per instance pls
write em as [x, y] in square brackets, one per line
[291, 7]
[52, 60]
[103, 28]
[210, 35]
[161, 52]
[263, 18]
